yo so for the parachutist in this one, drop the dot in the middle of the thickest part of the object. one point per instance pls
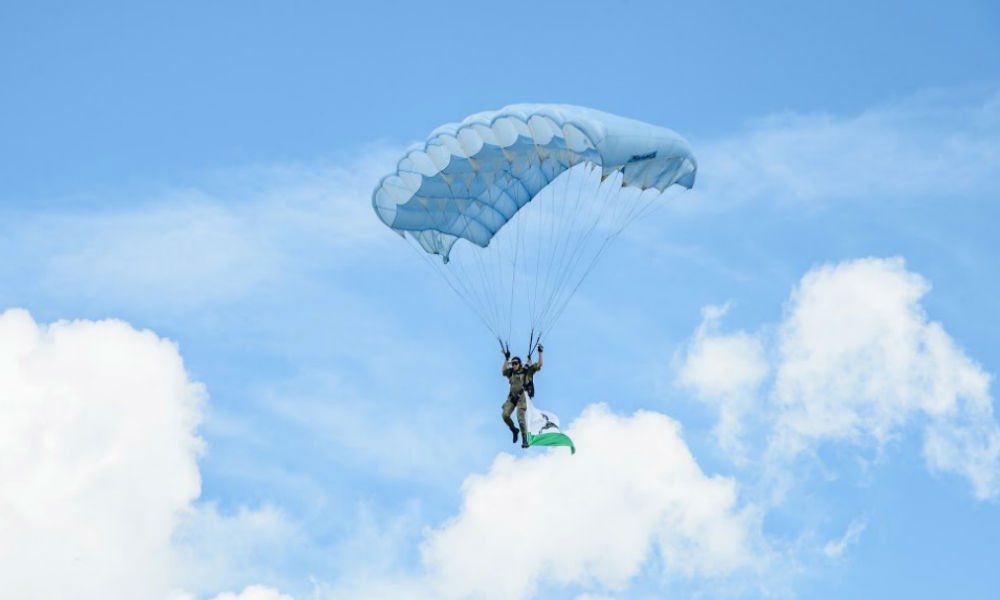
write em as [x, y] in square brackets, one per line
[521, 379]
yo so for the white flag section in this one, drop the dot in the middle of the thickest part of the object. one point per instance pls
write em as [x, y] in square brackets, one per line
[543, 429]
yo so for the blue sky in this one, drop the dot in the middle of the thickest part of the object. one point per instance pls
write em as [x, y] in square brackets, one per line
[204, 173]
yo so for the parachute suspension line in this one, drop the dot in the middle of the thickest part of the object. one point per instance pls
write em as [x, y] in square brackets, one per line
[649, 204]
[604, 245]
[559, 168]
[562, 238]
[475, 298]
[489, 263]
[616, 210]
[541, 171]
[573, 247]
[438, 269]
[504, 347]
[554, 241]
[593, 262]
[562, 299]
[464, 276]
[474, 293]
[507, 256]
[482, 291]
[551, 211]
[637, 211]
[497, 273]
[634, 210]
[530, 292]
[477, 293]
[513, 269]
[499, 244]
[495, 267]
[489, 271]
[545, 242]
[486, 289]
[466, 296]
[525, 245]
[538, 209]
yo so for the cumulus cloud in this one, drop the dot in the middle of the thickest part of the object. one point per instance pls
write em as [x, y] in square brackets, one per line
[98, 458]
[632, 491]
[858, 361]
[98, 465]
[725, 371]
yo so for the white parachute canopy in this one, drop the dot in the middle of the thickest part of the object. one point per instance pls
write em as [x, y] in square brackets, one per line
[537, 192]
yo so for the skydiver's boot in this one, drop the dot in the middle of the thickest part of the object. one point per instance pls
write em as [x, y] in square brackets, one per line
[510, 425]
[524, 437]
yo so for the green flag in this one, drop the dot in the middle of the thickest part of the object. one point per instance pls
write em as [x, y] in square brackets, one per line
[543, 429]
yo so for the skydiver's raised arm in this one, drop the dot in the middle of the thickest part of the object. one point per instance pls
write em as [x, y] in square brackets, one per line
[506, 359]
[539, 365]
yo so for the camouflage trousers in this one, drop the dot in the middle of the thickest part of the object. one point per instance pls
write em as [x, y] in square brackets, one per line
[508, 407]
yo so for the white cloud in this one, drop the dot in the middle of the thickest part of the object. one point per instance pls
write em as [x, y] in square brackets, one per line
[341, 414]
[836, 548]
[98, 466]
[98, 458]
[725, 371]
[254, 592]
[234, 234]
[903, 149]
[384, 587]
[857, 361]
[594, 518]
[851, 353]
[190, 249]
[214, 551]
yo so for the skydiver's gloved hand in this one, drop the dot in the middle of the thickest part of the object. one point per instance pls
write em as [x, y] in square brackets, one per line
[506, 354]
[541, 348]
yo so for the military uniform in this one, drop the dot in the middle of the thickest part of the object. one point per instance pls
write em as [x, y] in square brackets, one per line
[519, 381]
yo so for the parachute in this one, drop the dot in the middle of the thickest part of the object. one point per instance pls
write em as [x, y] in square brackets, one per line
[520, 203]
